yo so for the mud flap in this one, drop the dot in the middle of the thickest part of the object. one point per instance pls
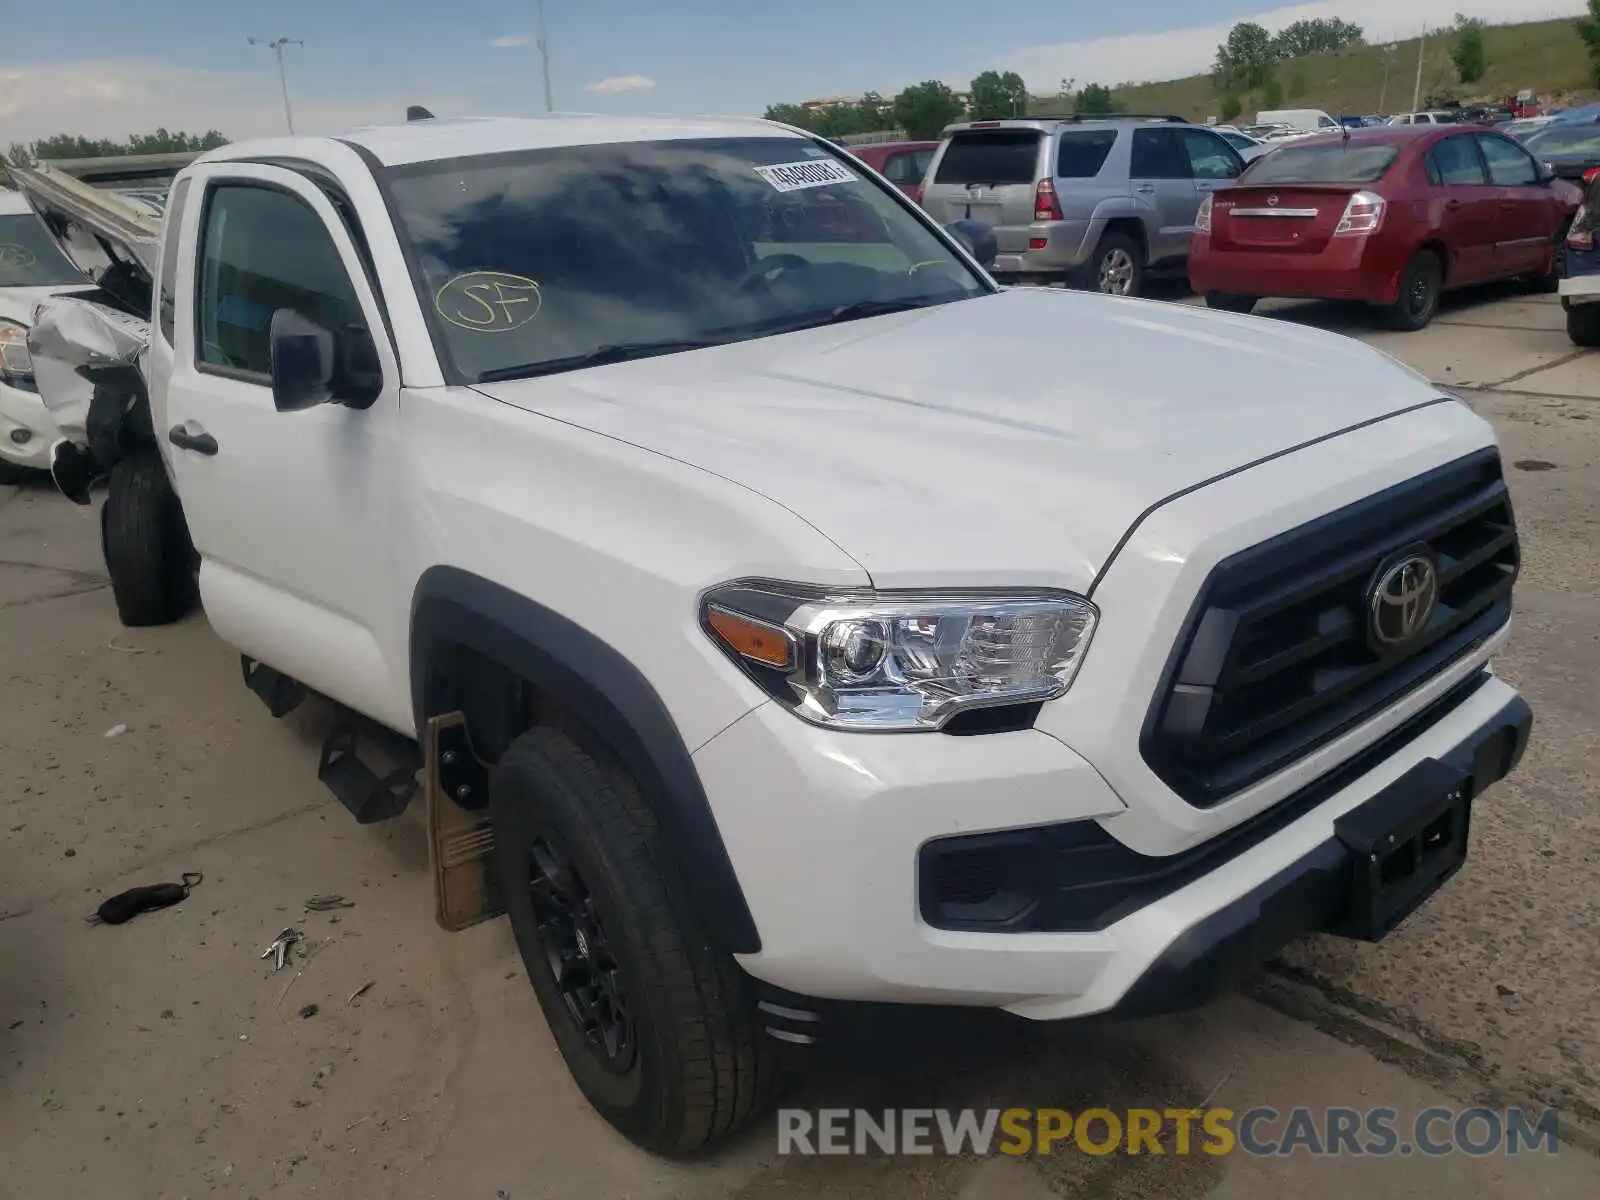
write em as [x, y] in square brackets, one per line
[460, 830]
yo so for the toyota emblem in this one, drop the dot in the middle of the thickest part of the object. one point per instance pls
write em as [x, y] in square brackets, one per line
[1272, 201]
[1402, 598]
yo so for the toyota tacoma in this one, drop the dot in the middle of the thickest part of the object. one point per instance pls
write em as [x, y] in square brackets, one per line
[778, 618]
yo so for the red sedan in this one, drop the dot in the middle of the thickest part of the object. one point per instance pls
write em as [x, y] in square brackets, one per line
[1393, 216]
[901, 163]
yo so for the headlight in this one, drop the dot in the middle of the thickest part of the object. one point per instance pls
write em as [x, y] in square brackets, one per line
[899, 661]
[15, 361]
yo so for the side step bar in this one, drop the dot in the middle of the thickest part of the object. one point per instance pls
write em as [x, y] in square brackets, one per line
[369, 797]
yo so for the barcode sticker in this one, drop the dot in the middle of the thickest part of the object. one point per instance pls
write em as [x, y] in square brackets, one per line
[795, 176]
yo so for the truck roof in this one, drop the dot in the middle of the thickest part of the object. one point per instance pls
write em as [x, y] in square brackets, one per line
[464, 137]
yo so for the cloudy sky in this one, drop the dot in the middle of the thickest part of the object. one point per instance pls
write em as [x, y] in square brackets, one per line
[104, 68]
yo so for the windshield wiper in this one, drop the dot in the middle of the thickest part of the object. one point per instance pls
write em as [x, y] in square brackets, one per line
[598, 357]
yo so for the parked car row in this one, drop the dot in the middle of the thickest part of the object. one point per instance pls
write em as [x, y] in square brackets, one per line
[1391, 215]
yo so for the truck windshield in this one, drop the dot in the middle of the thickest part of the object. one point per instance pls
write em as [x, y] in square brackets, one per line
[547, 260]
[29, 256]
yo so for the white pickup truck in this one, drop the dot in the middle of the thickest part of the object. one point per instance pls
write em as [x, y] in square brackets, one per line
[785, 620]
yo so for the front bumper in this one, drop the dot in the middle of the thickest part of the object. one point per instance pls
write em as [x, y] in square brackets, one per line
[827, 856]
[23, 415]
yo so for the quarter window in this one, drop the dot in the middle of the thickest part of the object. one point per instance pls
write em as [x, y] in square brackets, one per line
[262, 250]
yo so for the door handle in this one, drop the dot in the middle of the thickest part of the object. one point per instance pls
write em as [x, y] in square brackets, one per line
[1146, 189]
[1507, 206]
[197, 440]
[1452, 205]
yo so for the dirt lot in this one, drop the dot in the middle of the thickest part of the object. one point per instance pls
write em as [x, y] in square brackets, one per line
[163, 1059]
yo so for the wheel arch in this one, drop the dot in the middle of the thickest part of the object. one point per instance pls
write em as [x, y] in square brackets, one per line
[574, 670]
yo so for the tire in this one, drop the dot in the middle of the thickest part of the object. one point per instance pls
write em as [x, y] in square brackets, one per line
[146, 543]
[1583, 324]
[1230, 302]
[1119, 256]
[685, 1064]
[1421, 285]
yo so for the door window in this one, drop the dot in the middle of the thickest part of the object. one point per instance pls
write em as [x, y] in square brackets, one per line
[897, 169]
[169, 260]
[1454, 162]
[1157, 154]
[261, 250]
[1209, 156]
[1509, 164]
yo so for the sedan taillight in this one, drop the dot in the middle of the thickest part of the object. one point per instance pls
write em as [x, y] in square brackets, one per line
[1362, 214]
[1202, 219]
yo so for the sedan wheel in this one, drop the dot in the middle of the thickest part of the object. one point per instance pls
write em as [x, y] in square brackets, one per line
[1420, 289]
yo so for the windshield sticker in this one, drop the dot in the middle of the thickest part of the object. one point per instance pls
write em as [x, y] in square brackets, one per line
[796, 176]
[489, 301]
[15, 258]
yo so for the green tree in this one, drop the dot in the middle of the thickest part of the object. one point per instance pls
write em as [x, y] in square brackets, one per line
[789, 114]
[1468, 51]
[1297, 84]
[1232, 106]
[69, 145]
[874, 113]
[1095, 99]
[837, 121]
[1271, 93]
[1245, 59]
[996, 95]
[1318, 35]
[924, 109]
[1589, 31]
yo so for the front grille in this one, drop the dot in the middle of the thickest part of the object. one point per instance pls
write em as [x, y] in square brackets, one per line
[1277, 658]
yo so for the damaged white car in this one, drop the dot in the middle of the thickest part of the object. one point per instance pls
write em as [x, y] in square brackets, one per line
[32, 269]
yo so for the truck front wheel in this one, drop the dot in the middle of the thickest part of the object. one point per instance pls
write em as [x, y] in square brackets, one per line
[657, 1027]
[146, 543]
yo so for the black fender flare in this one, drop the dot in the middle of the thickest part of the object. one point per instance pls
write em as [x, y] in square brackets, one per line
[608, 694]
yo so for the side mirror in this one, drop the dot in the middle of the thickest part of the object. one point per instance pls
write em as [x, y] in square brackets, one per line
[312, 365]
[977, 238]
[302, 362]
[1547, 172]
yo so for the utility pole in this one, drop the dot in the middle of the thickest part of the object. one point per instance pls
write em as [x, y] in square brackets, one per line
[1383, 93]
[544, 58]
[276, 45]
[1416, 92]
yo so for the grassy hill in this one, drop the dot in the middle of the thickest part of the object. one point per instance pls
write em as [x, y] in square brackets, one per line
[1545, 55]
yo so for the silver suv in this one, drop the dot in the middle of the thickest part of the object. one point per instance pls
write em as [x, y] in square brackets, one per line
[1094, 201]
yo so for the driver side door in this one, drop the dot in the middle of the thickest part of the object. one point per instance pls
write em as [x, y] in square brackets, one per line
[292, 512]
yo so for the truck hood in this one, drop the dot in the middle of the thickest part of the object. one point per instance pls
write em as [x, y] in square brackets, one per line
[1010, 439]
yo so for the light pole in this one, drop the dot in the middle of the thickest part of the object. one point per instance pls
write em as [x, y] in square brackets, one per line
[1416, 92]
[276, 45]
[544, 58]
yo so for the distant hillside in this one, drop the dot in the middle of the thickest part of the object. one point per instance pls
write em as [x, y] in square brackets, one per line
[1547, 56]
